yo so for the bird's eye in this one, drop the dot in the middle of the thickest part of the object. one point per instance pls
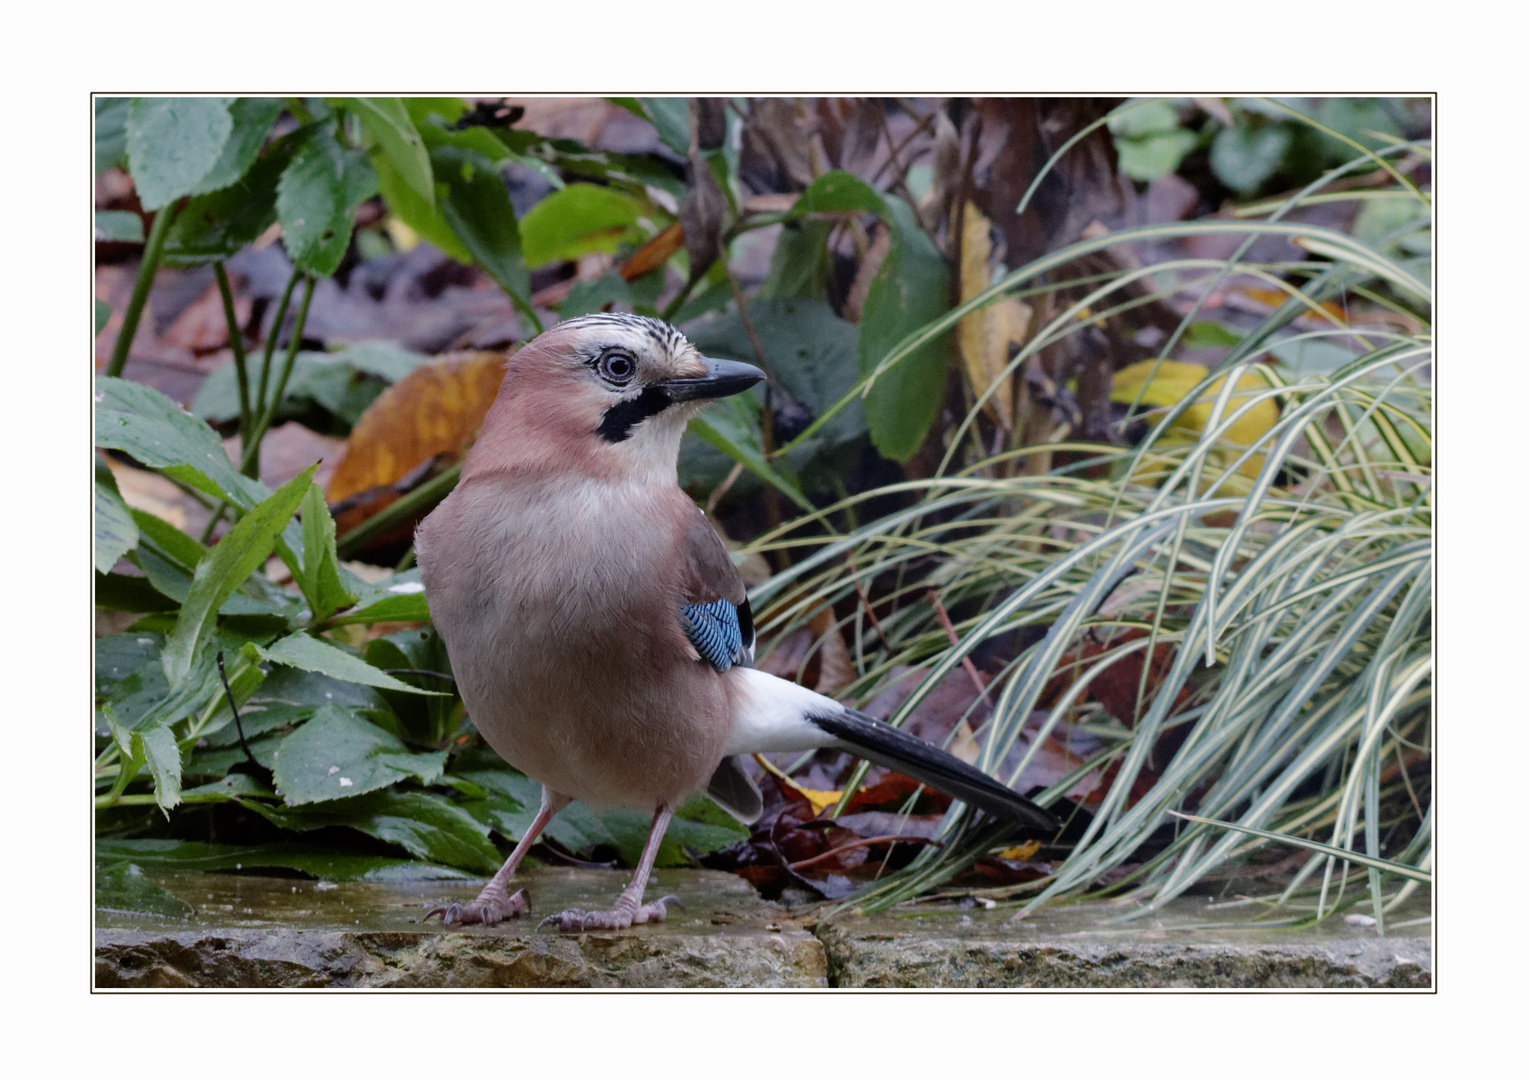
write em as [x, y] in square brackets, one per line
[617, 368]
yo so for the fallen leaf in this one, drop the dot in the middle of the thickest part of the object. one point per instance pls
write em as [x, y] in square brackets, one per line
[987, 336]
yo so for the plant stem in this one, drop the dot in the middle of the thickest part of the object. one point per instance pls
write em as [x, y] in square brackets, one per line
[236, 343]
[270, 351]
[250, 465]
[437, 487]
[151, 255]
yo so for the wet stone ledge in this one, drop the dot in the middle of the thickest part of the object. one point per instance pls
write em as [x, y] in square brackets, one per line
[236, 930]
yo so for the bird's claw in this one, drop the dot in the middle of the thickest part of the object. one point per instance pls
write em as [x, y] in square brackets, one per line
[487, 909]
[619, 917]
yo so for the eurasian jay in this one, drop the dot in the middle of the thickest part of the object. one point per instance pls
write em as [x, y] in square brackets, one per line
[597, 628]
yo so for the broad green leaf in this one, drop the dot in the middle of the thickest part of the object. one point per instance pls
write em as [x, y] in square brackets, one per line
[1151, 156]
[387, 121]
[337, 755]
[728, 427]
[159, 433]
[426, 719]
[580, 219]
[1244, 157]
[252, 117]
[155, 744]
[812, 353]
[241, 551]
[671, 116]
[220, 223]
[432, 117]
[172, 143]
[839, 192]
[421, 216]
[799, 265]
[103, 315]
[328, 380]
[182, 548]
[585, 297]
[477, 207]
[321, 863]
[1144, 117]
[259, 718]
[119, 227]
[304, 651]
[699, 826]
[116, 534]
[426, 825]
[386, 359]
[316, 201]
[910, 290]
[320, 577]
[111, 133]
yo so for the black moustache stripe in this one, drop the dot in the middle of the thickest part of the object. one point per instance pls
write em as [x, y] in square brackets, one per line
[622, 417]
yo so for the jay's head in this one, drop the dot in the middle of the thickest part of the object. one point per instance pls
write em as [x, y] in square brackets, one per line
[615, 391]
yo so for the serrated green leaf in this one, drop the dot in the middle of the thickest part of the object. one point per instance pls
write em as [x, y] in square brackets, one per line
[387, 121]
[172, 143]
[426, 825]
[241, 551]
[337, 754]
[304, 651]
[316, 201]
[320, 576]
[220, 223]
[579, 220]
[116, 533]
[252, 118]
[159, 433]
[155, 744]
[118, 227]
[910, 290]
[477, 207]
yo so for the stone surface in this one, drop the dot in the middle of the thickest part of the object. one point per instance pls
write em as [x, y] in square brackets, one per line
[236, 930]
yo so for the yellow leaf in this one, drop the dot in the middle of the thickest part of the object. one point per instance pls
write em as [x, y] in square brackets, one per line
[820, 800]
[986, 336]
[1021, 853]
[1172, 381]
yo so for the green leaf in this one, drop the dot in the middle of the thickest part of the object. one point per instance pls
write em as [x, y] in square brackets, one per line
[402, 607]
[698, 826]
[155, 744]
[1152, 156]
[116, 534]
[121, 592]
[252, 118]
[1205, 335]
[118, 227]
[1244, 157]
[580, 219]
[1144, 117]
[319, 862]
[585, 297]
[386, 359]
[839, 192]
[671, 116]
[426, 825]
[172, 143]
[799, 265]
[301, 650]
[427, 719]
[329, 380]
[125, 887]
[103, 315]
[220, 223]
[387, 121]
[185, 550]
[111, 133]
[477, 207]
[245, 547]
[423, 217]
[728, 427]
[159, 433]
[320, 571]
[338, 755]
[316, 201]
[910, 290]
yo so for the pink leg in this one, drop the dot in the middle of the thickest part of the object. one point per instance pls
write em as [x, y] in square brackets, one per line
[495, 903]
[629, 907]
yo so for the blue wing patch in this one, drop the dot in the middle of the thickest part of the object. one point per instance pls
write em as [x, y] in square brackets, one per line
[715, 632]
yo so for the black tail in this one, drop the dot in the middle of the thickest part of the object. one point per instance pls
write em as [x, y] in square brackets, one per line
[884, 744]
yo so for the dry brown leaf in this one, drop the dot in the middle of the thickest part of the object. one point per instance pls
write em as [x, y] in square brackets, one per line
[655, 253]
[987, 335]
[435, 409]
[835, 668]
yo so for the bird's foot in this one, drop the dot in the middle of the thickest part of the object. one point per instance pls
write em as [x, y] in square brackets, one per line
[491, 906]
[624, 913]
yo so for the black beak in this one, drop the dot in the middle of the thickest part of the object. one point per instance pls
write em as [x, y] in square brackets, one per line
[724, 378]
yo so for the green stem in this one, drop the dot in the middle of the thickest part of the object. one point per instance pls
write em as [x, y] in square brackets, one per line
[151, 255]
[270, 350]
[437, 487]
[236, 343]
[250, 465]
